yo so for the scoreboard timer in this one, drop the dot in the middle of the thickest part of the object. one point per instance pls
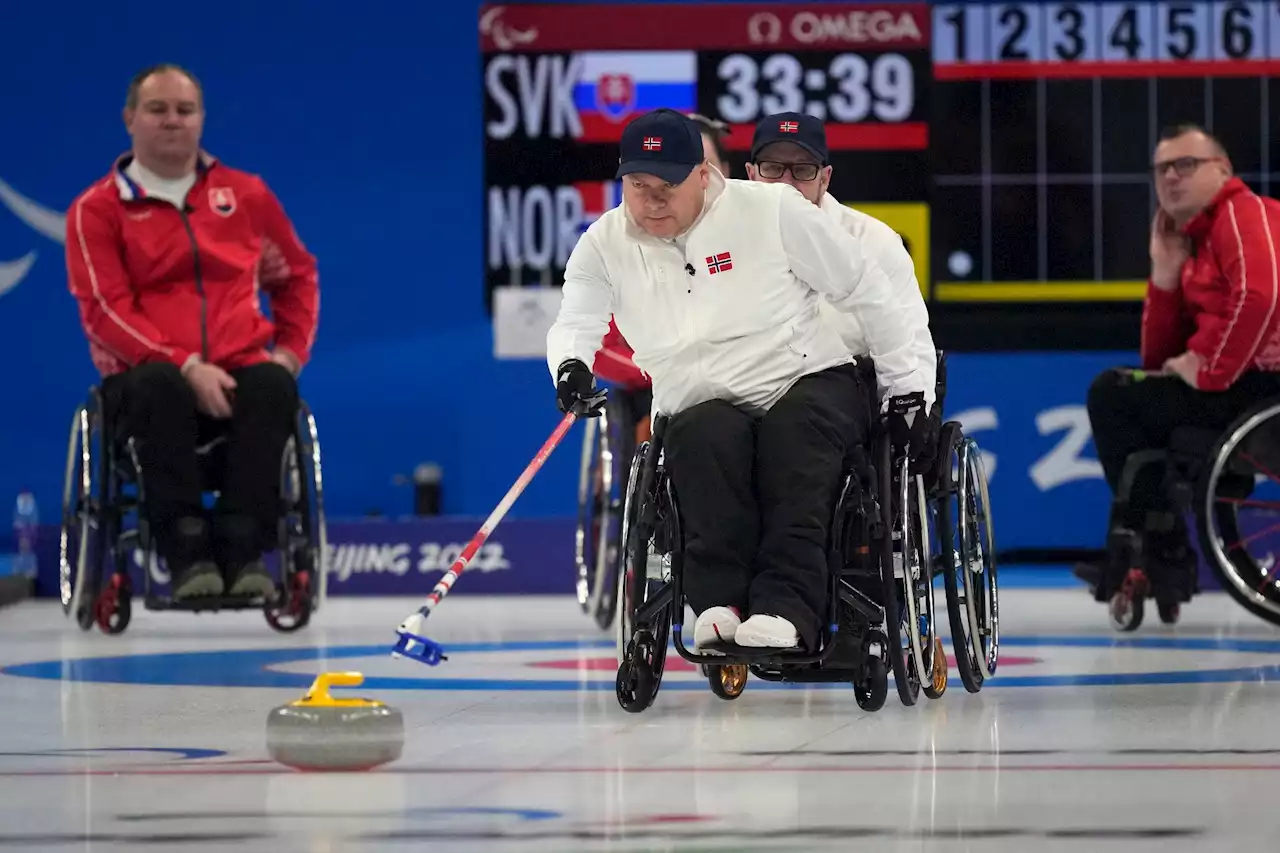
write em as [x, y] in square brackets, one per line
[1008, 143]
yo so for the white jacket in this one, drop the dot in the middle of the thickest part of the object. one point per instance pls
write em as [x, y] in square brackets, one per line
[748, 332]
[883, 243]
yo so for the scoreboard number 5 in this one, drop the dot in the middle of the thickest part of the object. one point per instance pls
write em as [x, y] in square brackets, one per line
[1200, 30]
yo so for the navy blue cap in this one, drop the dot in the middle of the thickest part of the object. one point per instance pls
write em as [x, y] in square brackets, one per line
[664, 143]
[797, 128]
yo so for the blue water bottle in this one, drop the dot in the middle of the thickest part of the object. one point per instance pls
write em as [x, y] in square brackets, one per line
[26, 518]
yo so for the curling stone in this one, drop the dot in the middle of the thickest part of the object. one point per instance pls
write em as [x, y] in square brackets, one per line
[319, 732]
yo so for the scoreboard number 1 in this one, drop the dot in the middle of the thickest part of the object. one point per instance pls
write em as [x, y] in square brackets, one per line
[1222, 30]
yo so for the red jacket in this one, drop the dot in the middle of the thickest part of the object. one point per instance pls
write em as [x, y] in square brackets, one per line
[614, 364]
[1226, 310]
[156, 284]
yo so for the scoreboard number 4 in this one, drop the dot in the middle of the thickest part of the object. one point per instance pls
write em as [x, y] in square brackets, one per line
[1110, 32]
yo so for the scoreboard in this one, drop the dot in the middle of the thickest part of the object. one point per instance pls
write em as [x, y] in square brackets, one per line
[1008, 143]
[1053, 111]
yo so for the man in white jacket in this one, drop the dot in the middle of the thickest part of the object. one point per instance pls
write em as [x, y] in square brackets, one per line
[791, 148]
[716, 285]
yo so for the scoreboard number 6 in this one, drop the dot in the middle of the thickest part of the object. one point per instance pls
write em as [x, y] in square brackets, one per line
[883, 87]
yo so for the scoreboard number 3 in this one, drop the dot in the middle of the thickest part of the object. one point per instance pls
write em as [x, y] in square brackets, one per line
[1222, 30]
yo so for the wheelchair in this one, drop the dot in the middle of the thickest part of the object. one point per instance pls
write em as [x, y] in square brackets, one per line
[1229, 481]
[105, 527]
[608, 443]
[877, 548]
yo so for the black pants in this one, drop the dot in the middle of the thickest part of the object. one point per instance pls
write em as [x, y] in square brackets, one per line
[1128, 415]
[756, 497]
[154, 404]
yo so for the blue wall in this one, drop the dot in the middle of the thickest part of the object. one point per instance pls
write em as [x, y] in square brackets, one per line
[368, 127]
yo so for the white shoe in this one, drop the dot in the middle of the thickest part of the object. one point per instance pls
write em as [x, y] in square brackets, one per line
[716, 625]
[767, 632]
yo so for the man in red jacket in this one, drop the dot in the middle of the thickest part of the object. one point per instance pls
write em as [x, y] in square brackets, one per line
[166, 256]
[1210, 330]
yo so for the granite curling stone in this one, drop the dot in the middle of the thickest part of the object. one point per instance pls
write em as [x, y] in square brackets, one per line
[319, 732]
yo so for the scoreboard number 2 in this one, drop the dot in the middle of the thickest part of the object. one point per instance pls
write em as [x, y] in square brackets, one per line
[1199, 30]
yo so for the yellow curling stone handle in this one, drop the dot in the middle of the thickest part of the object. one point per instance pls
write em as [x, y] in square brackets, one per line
[318, 694]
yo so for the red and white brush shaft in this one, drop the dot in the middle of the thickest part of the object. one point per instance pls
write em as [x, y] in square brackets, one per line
[460, 565]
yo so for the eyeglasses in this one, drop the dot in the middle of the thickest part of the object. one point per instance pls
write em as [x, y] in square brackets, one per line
[773, 170]
[1183, 167]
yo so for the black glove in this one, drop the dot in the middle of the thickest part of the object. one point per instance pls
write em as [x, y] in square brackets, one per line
[912, 431]
[574, 385]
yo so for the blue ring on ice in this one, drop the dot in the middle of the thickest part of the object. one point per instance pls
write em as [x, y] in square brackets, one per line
[251, 668]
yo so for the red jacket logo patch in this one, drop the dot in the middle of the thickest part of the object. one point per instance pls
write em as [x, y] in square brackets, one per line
[222, 200]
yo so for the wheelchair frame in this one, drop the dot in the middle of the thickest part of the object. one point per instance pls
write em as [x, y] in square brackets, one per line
[862, 529]
[97, 566]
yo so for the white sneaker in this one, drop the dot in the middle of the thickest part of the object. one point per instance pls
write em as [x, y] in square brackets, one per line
[767, 632]
[716, 625]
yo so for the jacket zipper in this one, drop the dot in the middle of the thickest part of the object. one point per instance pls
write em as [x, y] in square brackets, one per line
[204, 302]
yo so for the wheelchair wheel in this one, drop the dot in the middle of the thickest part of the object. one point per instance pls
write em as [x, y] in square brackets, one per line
[651, 531]
[1238, 507]
[978, 559]
[303, 535]
[947, 510]
[606, 450]
[82, 542]
[920, 618]
[727, 681]
[901, 660]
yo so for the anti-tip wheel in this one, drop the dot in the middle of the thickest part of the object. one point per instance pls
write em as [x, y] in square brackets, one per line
[727, 681]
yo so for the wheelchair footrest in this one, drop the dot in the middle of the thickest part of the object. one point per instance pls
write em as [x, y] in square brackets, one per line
[752, 656]
[806, 675]
[210, 603]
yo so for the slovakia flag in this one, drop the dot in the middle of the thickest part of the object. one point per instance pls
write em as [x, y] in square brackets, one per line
[615, 87]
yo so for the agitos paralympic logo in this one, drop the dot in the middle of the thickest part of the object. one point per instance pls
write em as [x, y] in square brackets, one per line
[41, 219]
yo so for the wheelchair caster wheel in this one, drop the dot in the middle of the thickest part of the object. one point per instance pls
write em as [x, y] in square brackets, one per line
[1170, 611]
[113, 607]
[289, 609]
[729, 681]
[937, 684]
[1126, 605]
[635, 686]
[871, 691]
